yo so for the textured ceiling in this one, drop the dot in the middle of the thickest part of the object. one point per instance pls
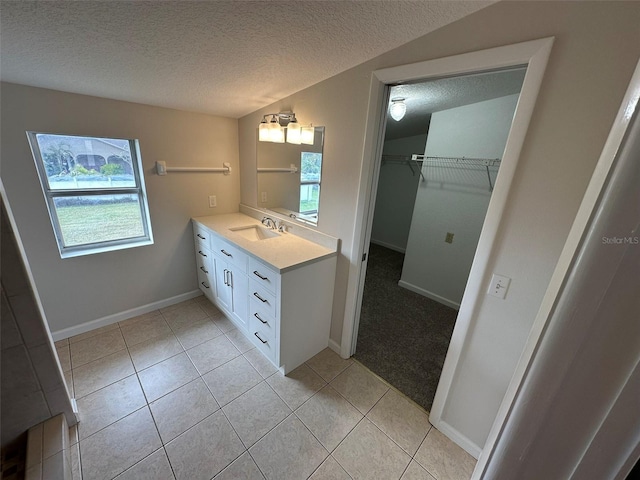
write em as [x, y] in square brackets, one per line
[424, 98]
[226, 58]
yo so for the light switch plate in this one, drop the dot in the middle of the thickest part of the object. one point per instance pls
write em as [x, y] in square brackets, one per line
[213, 202]
[499, 286]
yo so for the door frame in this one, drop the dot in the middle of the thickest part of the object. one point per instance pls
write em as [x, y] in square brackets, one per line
[532, 54]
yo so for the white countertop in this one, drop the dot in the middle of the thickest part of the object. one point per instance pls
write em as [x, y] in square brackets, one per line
[284, 252]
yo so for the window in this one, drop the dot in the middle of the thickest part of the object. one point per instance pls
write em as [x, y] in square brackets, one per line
[94, 189]
[311, 166]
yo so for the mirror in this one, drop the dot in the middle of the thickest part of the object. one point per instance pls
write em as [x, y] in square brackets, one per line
[289, 177]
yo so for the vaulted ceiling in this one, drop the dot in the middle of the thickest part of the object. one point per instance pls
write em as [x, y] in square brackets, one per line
[223, 57]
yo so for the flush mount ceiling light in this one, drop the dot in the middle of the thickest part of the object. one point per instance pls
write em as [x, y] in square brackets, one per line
[272, 129]
[397, 109]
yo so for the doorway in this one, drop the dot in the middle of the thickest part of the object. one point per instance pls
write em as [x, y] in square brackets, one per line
[439, 163]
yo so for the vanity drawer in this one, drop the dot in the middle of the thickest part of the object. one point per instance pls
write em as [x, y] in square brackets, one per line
[262, 299]
[205, 282]
[267, 346]
[263, 275]
[230, 253]
[204, 260]
[260, 320]
[202, 236]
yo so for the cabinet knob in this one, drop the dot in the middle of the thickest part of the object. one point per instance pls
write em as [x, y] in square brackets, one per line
[204, 270]
[204, 285]
[203, 254]
[258, 317]
[200, 236]
[226, 253]
[256, 334]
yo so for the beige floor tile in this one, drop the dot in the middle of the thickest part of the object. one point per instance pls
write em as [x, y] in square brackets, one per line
[121, 445]
[256, 412]
[401, 419]
[109, 404]
[155, 350]
[242, 468]
[181, 409]
[360, 387]
[273, 452]
[92, 333]
[197, 332]
[178, 305]
[297, 387]
[183, 315]
[212, 354]
[368, 453]
[209, 308]
[154, 467]
[330, 470]
[96, 346]
[444, 459]
[204, 450]
[223, 323]
[64, 355]
[61, 343]
[239, 340]
[143, 329]
[258, 361]
[328, 364]
[329, 417]
[415, 472]
[232, 379]
[138, 318]
[68, 380]
[100, 373]
[166, 376]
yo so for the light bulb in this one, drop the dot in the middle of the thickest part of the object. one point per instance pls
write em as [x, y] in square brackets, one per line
[397, 109]
[263, 131]
[294, 132]
[307, 135]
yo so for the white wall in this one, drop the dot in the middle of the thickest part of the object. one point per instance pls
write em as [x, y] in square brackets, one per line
[88, 288]
[597, 46]
[396, 194]
[454, 199]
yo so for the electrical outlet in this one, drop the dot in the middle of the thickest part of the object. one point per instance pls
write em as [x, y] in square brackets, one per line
[449, 237]
[212, 201]
[263, 197]
[499, 286]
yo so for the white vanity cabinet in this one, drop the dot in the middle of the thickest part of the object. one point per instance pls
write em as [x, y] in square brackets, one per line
[284, 311]
[230, 266]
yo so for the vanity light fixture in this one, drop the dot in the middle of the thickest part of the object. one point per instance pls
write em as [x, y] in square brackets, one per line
[272, 129]
[397, 109]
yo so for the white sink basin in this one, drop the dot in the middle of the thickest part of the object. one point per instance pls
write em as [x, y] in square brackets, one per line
[255, 232]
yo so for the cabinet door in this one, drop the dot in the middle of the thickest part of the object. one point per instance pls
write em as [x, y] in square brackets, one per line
[223, 285]
[239, 289]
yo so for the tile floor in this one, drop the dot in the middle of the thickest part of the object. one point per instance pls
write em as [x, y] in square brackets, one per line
[180, 394]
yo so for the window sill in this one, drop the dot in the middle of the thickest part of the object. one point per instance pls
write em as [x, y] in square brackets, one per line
[82, 251]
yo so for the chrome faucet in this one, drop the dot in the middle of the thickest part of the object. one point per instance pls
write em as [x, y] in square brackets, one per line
[269, 222]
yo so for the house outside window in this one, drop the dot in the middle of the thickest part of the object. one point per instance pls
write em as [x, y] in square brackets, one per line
[310, 177]
[94, 190]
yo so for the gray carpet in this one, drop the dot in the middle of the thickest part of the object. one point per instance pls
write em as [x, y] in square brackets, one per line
[403, 337]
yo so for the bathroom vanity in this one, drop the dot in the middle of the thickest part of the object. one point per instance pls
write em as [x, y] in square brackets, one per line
[275, 286]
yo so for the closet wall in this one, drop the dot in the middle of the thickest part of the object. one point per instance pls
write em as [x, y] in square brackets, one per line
[396, 194]
[454, 198]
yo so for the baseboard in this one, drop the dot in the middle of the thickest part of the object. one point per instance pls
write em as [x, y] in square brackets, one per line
[118, 317]
[428, 294]
[335, 346]
[388, 245]
[458, 438]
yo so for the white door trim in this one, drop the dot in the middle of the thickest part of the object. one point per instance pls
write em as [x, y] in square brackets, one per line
[525, 366]
[533, 54]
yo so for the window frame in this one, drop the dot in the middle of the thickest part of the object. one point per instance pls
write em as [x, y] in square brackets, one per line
[310, 182]
[50, 195]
